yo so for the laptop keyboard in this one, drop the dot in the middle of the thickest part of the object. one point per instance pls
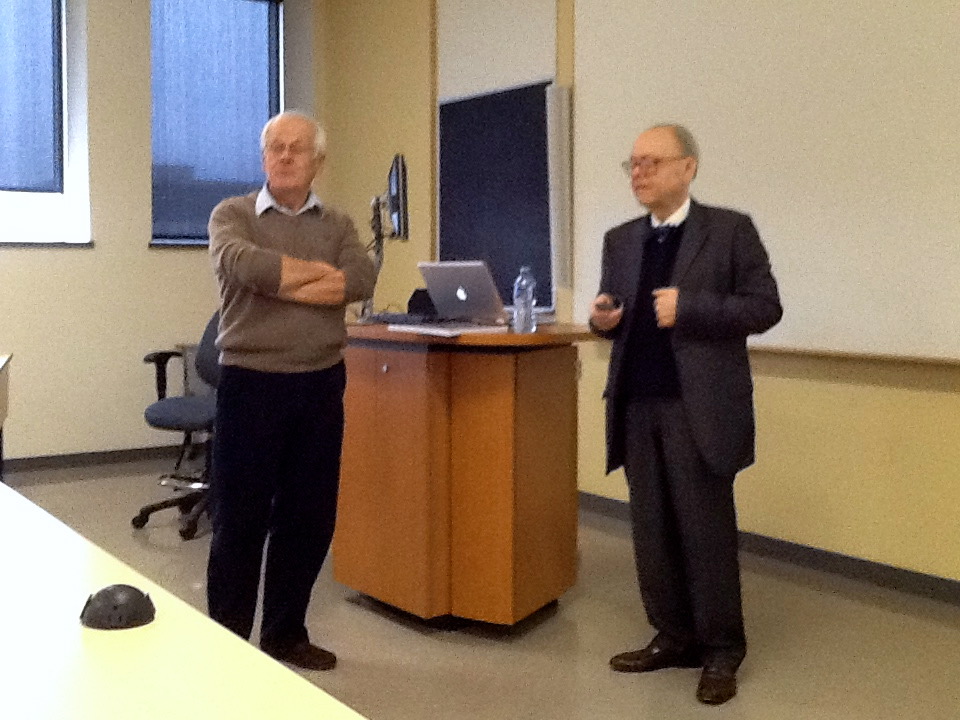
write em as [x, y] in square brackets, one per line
[398, 318]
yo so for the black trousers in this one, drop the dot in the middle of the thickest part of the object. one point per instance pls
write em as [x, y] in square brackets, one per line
[276, 464]
[684, 533]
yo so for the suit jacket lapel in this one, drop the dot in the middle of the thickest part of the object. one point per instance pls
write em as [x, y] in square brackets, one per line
[694, 235]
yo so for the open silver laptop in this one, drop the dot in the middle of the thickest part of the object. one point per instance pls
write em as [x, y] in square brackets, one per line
[464, 290]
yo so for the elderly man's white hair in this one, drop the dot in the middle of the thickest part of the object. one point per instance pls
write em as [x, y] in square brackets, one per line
[319, 134]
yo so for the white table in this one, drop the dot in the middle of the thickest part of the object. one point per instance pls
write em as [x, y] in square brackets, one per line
[182, 665]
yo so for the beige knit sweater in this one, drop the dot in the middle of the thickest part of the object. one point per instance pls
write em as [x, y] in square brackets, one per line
[259, 330]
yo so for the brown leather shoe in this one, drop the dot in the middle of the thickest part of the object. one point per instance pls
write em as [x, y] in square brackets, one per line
[718, 683]
[304, 655]
[655, 656]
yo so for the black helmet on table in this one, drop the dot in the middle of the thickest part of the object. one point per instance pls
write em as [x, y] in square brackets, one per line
[117, 607]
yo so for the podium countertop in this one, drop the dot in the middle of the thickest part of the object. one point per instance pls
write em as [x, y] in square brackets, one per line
[546, 336]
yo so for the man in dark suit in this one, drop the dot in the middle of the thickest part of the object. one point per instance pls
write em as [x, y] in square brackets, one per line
[680, 291]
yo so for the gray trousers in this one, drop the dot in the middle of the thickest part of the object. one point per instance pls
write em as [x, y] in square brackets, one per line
[684, 533]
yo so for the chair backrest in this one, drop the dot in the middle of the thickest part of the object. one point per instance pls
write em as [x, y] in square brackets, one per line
[208, 358]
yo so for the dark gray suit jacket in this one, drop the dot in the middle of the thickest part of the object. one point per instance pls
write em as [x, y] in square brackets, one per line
[726, 292]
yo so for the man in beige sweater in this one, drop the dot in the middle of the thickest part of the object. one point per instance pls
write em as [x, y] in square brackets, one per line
[287, 265]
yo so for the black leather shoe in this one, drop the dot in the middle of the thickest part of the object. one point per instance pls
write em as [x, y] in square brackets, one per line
[304, 655]
[718, 683]
[655, 656]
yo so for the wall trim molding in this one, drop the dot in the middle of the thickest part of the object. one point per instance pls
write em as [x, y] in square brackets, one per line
[886, 576]
[77, 460]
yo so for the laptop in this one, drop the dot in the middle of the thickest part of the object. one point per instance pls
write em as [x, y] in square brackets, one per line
[463, 290]
[465, 297]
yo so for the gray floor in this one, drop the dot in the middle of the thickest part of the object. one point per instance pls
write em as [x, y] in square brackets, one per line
[820, 646]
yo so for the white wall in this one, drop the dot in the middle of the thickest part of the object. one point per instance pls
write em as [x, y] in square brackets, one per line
[79, 320]
[489, 45]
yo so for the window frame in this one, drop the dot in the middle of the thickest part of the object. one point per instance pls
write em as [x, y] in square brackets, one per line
[59, 219]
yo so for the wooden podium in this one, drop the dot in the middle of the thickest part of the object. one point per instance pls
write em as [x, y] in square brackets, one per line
[458, 493]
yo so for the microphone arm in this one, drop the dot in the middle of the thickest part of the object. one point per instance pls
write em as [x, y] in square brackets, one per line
[376, 224]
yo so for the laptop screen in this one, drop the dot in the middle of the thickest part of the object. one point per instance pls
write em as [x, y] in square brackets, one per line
[463, 290]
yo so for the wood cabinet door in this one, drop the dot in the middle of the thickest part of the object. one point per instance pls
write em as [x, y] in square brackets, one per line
[392, 539]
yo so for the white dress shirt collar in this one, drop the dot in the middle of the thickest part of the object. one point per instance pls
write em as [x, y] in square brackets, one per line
[265, 201]
[678, 216]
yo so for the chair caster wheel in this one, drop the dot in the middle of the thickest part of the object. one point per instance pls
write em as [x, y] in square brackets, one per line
[188, 530]
[139, 521]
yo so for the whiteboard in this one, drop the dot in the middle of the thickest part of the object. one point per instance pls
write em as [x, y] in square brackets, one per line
[836, 126]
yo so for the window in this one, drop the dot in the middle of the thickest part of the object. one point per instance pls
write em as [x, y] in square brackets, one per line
[31, 107]
[216, 81]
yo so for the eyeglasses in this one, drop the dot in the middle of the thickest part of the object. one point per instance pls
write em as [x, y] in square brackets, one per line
[276, 149]
[646, 164]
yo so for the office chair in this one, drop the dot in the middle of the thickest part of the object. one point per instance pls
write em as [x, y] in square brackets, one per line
[190, 414]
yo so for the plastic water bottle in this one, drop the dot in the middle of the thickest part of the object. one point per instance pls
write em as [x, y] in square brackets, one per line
[524, 319]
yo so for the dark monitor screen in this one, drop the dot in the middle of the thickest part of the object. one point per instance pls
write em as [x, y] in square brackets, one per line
[495, 186]
[397, 197]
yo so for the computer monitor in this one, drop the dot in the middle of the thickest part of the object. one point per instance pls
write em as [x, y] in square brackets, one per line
[397, 197]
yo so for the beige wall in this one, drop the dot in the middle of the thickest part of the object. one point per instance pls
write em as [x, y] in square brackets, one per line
[80, 319]
[858, 456]
[855, 456]
[376, 95]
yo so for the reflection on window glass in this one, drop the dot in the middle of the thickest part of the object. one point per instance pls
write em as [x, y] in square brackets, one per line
[215, 74]
[31, 146]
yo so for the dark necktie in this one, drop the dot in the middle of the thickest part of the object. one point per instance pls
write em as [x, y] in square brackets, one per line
[661, 233]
